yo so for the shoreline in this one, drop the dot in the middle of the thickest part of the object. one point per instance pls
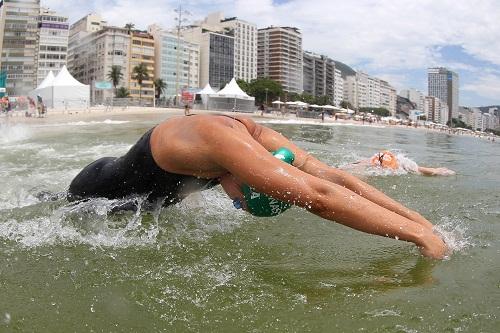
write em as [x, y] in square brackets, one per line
[120, 113]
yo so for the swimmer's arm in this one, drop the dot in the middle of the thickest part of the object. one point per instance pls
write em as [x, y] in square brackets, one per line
[251, 163]
[273, 140]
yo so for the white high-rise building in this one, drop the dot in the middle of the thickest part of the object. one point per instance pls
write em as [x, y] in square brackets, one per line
[93, 55]
[436, 110]
[388, 97]
[365, 91]
[338, 88]
[19, 44]
[52, 43]
[318, 75]
[443, 84]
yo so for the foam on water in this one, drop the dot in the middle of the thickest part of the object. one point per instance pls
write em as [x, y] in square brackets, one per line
[86, 123]
[13, 133]
[93, 222]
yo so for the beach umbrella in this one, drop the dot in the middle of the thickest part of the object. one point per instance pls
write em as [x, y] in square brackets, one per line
[278, 102]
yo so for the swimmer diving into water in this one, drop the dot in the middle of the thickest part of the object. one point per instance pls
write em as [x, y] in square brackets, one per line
[187, 154]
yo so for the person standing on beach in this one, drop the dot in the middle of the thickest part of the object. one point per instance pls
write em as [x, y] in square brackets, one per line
[186, 109]
[188, 154]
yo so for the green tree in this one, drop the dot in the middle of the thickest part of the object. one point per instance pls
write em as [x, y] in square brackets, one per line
[160, 87]
[346, 105]
[323, 100]
[115, 75]
[383, 112]
[245, 86]
[262, 88]
[122, 92]
[307, 98]
[140, 74]
[129, 26]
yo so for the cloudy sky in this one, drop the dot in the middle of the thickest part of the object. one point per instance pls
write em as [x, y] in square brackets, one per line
[393, 40]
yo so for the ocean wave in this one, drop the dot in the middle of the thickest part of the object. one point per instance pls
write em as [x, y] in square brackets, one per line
[86, 123]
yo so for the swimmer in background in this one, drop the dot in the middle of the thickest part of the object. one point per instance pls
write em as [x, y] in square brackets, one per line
[183, 155]
[389, 161]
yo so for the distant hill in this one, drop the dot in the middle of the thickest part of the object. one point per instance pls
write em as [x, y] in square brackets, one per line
[487, 108]
[345, 69]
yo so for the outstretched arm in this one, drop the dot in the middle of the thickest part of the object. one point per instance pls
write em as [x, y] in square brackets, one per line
[250, 162]
[435, 171]
[272, 140]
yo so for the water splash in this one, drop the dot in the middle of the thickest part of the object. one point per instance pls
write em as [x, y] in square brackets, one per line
[14, 133]
[454, 233]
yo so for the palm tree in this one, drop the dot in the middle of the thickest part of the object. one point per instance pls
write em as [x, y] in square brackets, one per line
[160, 87]
[140, 74]
[122, 92]
[115, 75]
[129, 27]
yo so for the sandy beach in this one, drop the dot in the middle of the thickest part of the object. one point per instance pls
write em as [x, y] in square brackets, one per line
[100, 113]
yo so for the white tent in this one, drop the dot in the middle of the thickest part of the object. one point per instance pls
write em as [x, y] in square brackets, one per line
[231, 98]
[205, 92]
[44, 90]
[63, 91]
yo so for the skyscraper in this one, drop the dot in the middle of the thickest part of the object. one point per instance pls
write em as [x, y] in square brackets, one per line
[19, 44]
[52, 43]
[279, 57]
[443, 84]
[319, 75]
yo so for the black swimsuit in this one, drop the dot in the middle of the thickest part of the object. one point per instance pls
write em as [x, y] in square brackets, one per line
[134, 173]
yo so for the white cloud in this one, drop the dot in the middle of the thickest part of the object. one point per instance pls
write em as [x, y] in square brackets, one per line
[486, 86]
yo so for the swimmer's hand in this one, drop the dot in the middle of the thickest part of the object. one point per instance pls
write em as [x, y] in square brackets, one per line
[432, 246]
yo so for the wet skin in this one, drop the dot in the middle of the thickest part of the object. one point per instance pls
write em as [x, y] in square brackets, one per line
[236, 152]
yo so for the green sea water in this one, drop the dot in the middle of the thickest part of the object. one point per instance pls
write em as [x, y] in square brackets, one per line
[202, 266]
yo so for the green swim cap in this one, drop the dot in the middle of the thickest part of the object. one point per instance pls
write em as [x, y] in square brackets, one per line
[262, 205]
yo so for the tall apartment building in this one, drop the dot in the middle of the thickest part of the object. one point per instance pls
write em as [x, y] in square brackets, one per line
[91, 57]
[318, 75]
[414, 96]
[436, 110]
[52, 43]
[19, 44]
[141, 50]
[245, 42]
[388, 97]
[443, 84]
[364, 91]
[338, 88]
[216, 55]
[279, 57]
[177, 61]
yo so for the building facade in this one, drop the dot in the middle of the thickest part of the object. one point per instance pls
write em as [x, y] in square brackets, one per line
[141, 51]
[319, 76]
[338, 88]
[245, 42]
[52, 43]
[216, 55]
[414, 96]
[177, 61]
[91, 57]
[19, 45]
[436, 110]
[364, 91]
[279, 57]
[443, 84]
